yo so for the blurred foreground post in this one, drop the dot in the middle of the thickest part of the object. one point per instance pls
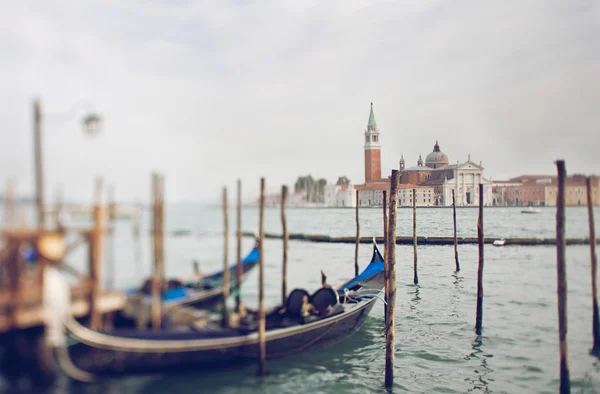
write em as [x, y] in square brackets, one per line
[238, 257]
[455, 242]
[565, 385]
[284, 193]
[390, 286]
[9, 205]
[226, 276]
[95, 249]
[357, 237]
[479, 317]
[39, 167]
[261, 282]
[59, 210]
[157, 232]
[137, 237]
[416, 277]
[112, 214]
[594, 260]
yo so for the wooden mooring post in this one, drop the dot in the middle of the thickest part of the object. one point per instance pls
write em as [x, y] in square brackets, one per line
[238, 253]
[284, 193]
[357, 236]
[561, 271]
[480, 242]
[261, 283]
[415, 276]
[95, 251]
[136, 232]
[226, 277]
[390, 285]
[9, 205]
[385, 250]
[594, 264]
[112, 214]
[158, 252]
[455, 240]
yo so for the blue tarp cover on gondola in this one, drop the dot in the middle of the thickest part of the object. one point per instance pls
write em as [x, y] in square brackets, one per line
[374, 268]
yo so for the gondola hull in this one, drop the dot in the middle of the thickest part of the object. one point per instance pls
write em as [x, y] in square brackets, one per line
[279, 343]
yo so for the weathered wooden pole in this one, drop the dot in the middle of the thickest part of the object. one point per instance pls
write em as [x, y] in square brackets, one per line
[385, 229]
[9, 205]
[390, 286]
[14, 271]
[561, 271]
[158, 266]
[226, 276]
[480, 242]
[385, 250]
[455, 241]
[112, 213]
[95, 250]
[39, 166]
[357, 237]
[137, 237]
[58, 209]
[284, 193]
[416, 276]
[238, 257]
[261, 283]
[594, 261]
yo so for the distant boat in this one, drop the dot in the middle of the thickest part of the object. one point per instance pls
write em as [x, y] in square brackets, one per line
[530, 209]
[499, 242]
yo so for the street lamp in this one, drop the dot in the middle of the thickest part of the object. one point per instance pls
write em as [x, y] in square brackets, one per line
[91, 125]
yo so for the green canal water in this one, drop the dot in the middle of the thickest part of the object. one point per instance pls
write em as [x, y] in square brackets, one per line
[437, 349]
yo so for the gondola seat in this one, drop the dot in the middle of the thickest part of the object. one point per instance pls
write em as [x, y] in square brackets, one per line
[294, 302]
[323, 298]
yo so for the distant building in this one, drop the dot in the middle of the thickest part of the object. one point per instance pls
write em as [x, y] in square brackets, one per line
[340, 196]
[425, 196]
[506, 193]
[464, 180]
[542, 190]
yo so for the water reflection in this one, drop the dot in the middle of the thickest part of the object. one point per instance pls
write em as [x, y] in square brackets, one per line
[481, 382]
[415, 299]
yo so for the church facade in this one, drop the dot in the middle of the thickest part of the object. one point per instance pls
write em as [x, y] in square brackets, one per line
[432, 181]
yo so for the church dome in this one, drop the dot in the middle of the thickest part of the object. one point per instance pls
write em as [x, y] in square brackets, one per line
[436, 158]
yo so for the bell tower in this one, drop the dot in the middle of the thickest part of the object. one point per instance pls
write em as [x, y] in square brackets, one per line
[372, 150]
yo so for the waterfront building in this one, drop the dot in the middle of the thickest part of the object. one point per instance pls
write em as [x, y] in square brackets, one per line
[542, 190]
[464, 179]
[434, 178]
[506, 193]
[340, 196]
[425, 196]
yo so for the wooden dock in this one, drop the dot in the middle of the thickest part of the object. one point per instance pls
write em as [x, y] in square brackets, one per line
[30, 311]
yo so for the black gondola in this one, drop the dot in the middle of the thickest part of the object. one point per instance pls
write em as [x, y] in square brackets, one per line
[334, 315]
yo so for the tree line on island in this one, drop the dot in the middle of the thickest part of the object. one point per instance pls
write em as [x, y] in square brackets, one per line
[315, 188]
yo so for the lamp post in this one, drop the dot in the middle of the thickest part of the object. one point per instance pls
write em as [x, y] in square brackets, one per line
[91, 125]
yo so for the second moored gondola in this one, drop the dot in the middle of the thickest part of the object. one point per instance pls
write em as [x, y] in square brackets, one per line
[200, 292]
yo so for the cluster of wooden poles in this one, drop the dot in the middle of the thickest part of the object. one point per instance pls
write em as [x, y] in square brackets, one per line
[389, 220]
[565, 385]
[261, 272]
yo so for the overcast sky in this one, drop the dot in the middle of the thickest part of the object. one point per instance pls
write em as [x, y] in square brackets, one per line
[208, 92]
